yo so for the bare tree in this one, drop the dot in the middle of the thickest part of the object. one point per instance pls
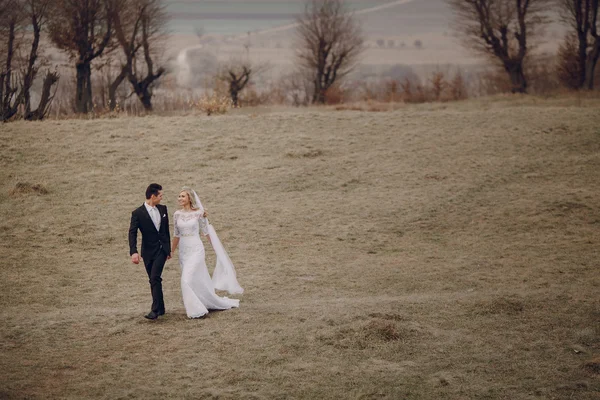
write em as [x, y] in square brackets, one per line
[438, 84]
[237, 73]
[502, 30]
[46, 98]
[582, 16]
[297, 87]
[37, 12]
[568, 69]
[22, 21]
[330, 43]
[237, 77]
[458, 87]
[127, 19]
[83, 28]
[12, 21]
[139, 27]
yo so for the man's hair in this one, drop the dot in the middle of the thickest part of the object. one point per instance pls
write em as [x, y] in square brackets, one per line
[153, 189]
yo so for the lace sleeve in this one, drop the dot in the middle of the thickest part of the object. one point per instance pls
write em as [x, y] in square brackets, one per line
[175, 226]
[203, 224]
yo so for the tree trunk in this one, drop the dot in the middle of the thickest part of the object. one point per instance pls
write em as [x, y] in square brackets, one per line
[31, 69]
[146, 98]
[83, 94]
[142, 90]
[590, 67]
[319, 94]
[112, 90]
[234, 95]
[2, 77]
[8, 108]
[46, 99]
[88, 87]
[582, 59]
[517, 77]
[319, 97]
[9, 56]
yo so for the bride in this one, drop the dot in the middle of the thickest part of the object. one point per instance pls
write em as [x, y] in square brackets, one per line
[197, 287]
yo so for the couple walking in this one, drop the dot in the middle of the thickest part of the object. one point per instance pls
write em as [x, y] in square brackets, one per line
[197, 287]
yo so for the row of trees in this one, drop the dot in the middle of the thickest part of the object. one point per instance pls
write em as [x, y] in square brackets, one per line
[504, 31]
[18, 73]
[129, 34]
[85, 30]
[580, 52]
[508, 30]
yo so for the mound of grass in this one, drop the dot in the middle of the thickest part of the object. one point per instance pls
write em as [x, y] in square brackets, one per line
[25, 188]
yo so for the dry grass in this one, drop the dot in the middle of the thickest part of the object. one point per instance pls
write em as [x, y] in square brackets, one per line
[439, 251]
[26, 188]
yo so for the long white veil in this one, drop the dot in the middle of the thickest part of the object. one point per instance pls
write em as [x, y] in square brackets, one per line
[224, 276]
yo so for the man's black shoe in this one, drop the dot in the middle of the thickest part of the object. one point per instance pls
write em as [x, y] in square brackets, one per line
[151, 315]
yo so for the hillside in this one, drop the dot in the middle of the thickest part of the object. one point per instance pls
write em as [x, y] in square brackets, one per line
[436, 251]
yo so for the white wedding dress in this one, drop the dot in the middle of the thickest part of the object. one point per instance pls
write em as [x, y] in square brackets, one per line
[197, 287]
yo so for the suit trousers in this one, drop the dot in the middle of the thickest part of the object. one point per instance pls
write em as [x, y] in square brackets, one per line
[154, 268]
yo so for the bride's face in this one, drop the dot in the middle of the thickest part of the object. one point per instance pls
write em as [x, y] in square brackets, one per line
[183, 199]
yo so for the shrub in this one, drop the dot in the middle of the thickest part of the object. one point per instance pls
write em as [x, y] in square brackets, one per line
[567, 69]
[334, 95]
[214, 104]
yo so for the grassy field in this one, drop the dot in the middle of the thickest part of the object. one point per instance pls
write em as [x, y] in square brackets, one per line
[431, 252]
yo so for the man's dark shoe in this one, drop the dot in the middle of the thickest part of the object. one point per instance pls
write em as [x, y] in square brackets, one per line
[161, 312]
[151, 315]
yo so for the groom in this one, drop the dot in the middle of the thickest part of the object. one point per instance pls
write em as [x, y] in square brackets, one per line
[152, 219]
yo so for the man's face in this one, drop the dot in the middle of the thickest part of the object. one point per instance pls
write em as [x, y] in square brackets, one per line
[156, 199]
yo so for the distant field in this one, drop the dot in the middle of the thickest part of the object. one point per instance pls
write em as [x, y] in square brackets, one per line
[264, 32]
[229, 25]
[445, 251]
[234, 17]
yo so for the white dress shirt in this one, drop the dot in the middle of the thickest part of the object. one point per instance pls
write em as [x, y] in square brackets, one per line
[154, 214]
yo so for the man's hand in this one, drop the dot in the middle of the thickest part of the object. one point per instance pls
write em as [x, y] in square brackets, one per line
[135, 258]
[169, 256]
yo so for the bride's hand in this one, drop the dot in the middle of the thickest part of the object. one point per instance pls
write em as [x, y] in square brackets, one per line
[205, 214]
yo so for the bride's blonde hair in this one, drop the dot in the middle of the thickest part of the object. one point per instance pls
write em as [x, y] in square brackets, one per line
[190, 193]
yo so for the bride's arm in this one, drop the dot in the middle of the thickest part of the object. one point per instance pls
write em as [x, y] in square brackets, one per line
[175, 232]
[203, 225]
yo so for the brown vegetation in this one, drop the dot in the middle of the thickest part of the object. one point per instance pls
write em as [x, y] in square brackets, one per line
[439, 251]
[583, 41]
[569, 70]
[213, 104]
[26, 188]
[440, 86]
[593, 366]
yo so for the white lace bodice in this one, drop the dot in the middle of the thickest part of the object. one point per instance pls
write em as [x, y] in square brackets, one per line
[189, 224]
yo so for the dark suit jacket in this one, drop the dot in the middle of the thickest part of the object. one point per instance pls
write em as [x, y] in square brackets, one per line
[153, 241]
